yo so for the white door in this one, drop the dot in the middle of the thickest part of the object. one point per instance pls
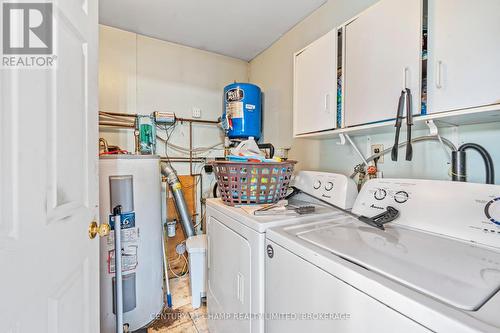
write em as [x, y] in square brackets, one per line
[315, 86]
[464, 52]
[48, 182]
[382, 57]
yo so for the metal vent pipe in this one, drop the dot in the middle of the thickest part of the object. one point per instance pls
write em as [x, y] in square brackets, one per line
[180, 203]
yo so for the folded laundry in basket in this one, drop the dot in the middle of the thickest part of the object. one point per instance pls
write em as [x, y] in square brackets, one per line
[253, 158]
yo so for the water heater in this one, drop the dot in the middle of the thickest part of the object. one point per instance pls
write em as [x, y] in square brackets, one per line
[243, 110]
[134, 182]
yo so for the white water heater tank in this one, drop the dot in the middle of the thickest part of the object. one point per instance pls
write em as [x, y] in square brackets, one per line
[134, 182]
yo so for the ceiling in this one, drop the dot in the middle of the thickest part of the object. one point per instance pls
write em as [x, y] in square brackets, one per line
[236, 28]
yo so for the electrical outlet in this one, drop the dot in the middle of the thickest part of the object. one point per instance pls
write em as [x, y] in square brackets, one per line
[196, 112]
[377, 149]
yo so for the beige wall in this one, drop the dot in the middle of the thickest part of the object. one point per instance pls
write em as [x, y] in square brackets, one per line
[141, 74]
[138, 74]
[117, 79]
[272, 70]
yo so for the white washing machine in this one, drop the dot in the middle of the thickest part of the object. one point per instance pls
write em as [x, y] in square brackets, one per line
[435, 269]
[236, 250]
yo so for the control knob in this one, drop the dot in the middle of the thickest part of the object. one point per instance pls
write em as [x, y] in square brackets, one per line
[380, 194]
[317, 184]
[401, 197]
[492, 210]
[329, 186]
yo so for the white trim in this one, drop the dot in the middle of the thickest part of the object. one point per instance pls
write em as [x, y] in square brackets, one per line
[478, 115]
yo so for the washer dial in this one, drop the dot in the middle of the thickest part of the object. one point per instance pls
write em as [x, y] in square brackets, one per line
[317, 184]
[329, 186]
[380, 194]
[401, 197]
[492, 211]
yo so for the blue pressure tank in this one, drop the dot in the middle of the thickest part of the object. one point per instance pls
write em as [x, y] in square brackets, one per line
[242, 114]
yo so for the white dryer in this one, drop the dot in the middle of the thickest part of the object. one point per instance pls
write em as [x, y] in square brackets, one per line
[236, 250]
[435, 269]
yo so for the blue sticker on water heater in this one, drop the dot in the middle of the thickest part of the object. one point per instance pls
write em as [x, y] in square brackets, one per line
[127, 222]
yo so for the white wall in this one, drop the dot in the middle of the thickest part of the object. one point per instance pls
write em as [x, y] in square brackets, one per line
[272, 70]
[138, 74]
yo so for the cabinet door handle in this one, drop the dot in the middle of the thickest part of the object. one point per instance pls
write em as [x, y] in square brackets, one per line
[327, 102]
[240, 288]
[439, 74]
[210, 252]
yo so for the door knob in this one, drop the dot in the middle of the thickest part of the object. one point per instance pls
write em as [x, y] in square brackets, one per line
[98, 229]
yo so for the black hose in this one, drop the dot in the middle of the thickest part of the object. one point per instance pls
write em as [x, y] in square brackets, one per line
[488, 161]
[267, 146]
[215, 190]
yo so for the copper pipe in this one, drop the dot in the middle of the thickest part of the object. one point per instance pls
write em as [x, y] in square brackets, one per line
[116, 124]
[185, 161]
[191, 148]
[108, 116]
[137, 140]
[118, 114]
[115, 120]
[176, 159]
[199, 121]
[199, 175]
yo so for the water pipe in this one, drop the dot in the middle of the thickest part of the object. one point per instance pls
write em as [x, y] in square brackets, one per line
[118, 270]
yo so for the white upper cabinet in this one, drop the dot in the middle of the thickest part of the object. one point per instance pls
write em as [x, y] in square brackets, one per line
[464, 54]
[447, 52]
[315, 86]
[382, 57]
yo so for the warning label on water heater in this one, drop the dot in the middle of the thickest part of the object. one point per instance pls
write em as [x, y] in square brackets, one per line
[234, 110]
[128, 236]
[129, 241]
[129, 259]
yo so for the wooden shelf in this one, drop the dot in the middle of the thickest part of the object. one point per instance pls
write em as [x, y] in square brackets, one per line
[480, 115]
